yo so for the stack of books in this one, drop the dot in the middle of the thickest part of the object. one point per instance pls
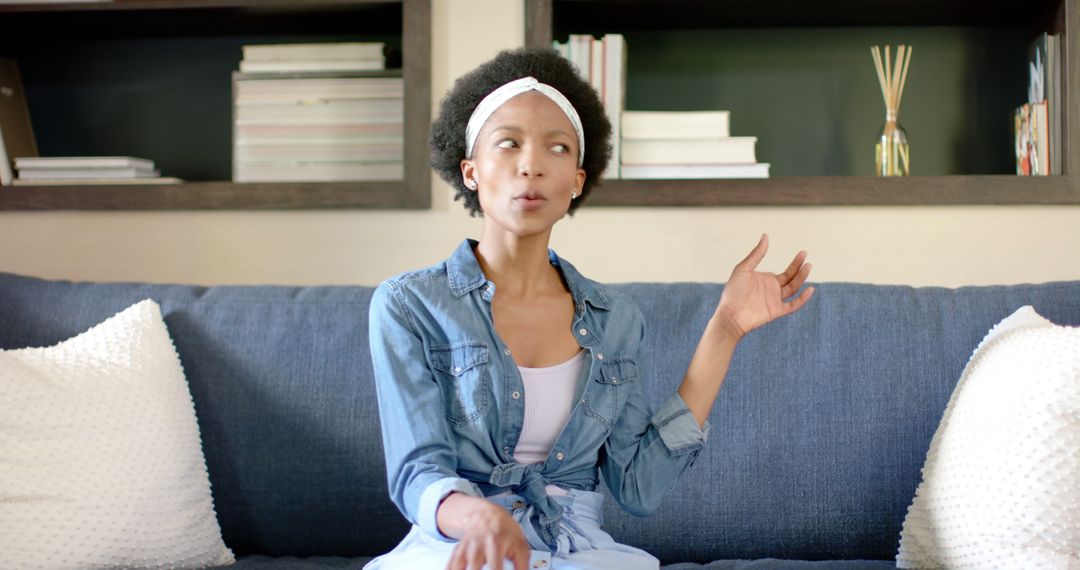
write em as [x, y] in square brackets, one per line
[87, 170]
[690, 144]
[319, 125]
[602, 62]
[658, 144]
[1037, 124]
[287, 58]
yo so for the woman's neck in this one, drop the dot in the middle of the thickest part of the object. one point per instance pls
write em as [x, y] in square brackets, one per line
[518, 266]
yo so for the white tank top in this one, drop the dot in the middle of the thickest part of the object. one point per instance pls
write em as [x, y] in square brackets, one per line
[549, 399]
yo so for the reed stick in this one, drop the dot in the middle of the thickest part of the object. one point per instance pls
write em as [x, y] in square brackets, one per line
[892, 74]
[903, 79]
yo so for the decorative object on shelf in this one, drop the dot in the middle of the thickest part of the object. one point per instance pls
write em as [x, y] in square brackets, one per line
[891, 152]
[1037, 123]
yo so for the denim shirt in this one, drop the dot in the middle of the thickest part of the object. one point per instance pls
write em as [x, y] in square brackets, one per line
[451, 399]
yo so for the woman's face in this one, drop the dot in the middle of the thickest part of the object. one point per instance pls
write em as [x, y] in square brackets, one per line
[525, 165]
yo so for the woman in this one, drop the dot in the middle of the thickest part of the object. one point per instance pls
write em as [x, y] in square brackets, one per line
[508, 382]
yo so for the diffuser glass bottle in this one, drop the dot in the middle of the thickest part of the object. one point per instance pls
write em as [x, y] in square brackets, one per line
[891, 152]
[891, 156]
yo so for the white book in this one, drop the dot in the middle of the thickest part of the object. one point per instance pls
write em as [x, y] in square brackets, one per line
[334, 141]
[343, 50]
[562, 47]
[581, 54]
[93, 173]
[251, 154]
[97, 181]
[695, 171]
[6, 174]
[329, 114]
[320, 172]
[361, 133]
[295, 90]
[614, 48]
[312, 65]
[343, 110]
[596, 66]
[675, 124]
[689, 151]
[283, 141]
[58, 162]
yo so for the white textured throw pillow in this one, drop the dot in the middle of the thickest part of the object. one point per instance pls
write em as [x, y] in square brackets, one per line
[101, 464]
[1001, 482]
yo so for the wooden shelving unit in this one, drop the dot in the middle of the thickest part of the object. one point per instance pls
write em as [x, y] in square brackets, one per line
[545, 18]
[208, 20]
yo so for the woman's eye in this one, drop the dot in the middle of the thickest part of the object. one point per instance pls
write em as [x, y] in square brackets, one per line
[561, 148]
[506, 143]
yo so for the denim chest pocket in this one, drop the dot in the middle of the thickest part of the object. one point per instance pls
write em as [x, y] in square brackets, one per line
[611, 386]
[462, 372]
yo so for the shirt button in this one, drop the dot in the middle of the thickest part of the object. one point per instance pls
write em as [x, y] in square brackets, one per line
[506, 351]
[457, 369]
[614, 380]
[506, 450]
[600, 356]
[583, 332]
[516, 395]
[560, 456]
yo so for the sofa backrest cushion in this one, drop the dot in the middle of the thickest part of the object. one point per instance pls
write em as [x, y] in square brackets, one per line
[824, 419]
[283, 390]
[818, 434]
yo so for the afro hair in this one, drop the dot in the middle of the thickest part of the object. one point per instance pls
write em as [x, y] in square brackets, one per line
[547, 66]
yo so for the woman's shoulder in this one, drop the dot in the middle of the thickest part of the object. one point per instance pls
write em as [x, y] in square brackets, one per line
[598, 294]
[416, 276]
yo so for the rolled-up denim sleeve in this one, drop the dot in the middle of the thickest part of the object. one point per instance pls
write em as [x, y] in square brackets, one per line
[647, 452]
[421, 461]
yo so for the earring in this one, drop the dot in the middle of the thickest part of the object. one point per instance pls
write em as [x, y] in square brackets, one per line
[472, 185]
[573, 195]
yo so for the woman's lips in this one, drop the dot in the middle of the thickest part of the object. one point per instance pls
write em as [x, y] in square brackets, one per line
[529, 200]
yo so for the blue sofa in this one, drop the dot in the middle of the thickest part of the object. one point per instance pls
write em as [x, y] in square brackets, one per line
[818, 434]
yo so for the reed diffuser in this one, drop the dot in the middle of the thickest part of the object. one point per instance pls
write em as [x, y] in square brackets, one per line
[891, 153]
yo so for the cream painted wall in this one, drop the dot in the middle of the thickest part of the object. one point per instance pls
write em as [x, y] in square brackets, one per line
[947, 246]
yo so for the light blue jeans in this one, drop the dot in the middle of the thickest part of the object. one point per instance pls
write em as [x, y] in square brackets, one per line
[582, 544]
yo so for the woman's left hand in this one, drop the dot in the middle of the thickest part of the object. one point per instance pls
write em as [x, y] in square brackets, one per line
[753, 298]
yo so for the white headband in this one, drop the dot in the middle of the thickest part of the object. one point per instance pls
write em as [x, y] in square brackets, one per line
[496, 98]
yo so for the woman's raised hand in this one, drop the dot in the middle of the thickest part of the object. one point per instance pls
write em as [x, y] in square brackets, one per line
[491, 536]
[753, 298]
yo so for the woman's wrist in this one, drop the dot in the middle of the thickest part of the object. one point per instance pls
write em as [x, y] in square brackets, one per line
[724, 324]
[457, 511]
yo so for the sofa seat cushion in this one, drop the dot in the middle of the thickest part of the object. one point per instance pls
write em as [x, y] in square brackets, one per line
[329, 562]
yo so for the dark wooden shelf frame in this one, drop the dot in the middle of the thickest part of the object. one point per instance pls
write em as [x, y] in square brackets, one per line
[414, 192]
[852, 190]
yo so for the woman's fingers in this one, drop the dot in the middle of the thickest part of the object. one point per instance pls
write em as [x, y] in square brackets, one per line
[792, 268]
[794, 283]
[494, 557]
[457, 559]
[798, 302]
[521, 558]
[752, 259]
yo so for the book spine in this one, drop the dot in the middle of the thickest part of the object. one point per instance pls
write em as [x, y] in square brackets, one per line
[7, 176]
